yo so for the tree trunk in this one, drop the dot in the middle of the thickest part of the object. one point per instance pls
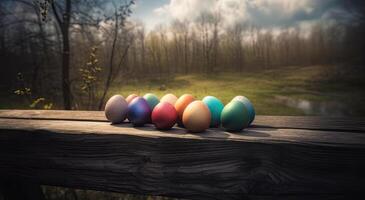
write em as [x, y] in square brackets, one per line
[111, 63]
[66, 57]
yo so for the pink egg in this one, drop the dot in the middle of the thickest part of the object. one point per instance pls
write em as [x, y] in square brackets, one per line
[169, 98]
[130, 97]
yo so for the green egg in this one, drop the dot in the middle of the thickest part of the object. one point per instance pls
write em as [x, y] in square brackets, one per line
[235, 116]
[249, 106]
[215, 107]
[152, 100]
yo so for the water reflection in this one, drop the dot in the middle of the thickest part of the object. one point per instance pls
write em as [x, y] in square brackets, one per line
[327, 108]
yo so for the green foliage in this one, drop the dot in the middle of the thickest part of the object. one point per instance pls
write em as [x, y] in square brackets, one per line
[43, 6]
[89, 77]
[38, 101]
[23, 91]
[89, 73]
[26, 92]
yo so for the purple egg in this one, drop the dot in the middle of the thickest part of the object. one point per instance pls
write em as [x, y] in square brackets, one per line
[139, 112]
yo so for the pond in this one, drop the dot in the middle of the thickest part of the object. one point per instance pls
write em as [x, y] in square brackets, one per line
[325, 108]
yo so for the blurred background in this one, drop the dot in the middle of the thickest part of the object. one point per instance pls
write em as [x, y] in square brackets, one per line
[288, 57]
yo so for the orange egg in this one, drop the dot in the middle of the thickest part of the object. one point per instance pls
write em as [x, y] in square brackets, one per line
[181, 104]
[196, 117]
[130, 97]
[169, 98]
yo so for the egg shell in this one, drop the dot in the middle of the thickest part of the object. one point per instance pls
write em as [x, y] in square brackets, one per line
[130, 97]
[169, 98]
[235, 116]
[139, 112]
[151, 99]
[164, 116]
[215, 107]
[196, 117]
[180, 106]
[249, 106]
[116, 109]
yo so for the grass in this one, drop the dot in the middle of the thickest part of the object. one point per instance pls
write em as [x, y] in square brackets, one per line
[327, 87]
[314, 84]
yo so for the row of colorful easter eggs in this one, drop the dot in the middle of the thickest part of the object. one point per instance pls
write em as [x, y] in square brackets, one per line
[194, 115]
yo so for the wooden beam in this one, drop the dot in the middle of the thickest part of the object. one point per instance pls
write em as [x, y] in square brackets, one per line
[292, 122]
[258, 162]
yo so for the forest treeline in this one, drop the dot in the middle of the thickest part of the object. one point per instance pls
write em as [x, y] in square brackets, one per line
[70, 46]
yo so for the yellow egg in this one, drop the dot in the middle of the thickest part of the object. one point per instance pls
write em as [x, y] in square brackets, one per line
[196, 117]
[169, 98]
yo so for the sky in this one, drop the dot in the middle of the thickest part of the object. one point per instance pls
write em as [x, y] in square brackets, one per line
[262, 13]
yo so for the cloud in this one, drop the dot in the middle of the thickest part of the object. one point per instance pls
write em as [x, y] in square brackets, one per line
[188, 9]
[265, 13]
[283, 8]
[231, 10]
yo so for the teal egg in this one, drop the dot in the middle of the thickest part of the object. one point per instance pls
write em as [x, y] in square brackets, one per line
[152, 100]
[215, 107]
[235, 116]
[248, 105]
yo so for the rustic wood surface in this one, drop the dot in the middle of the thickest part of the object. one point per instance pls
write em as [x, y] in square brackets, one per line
[285, 159]
[295, 122]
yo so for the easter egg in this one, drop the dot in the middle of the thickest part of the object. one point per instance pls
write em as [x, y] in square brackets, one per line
[116, 109]
[130, 97]
[215, 107]
[169, 98]
[151, 99]
[196, 117]
[235, 116]
[249, 106]
[139, 112]
[181, 104]
[164, 116]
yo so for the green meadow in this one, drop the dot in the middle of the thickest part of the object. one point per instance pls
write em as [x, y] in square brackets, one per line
[309, 90]
[313, 90]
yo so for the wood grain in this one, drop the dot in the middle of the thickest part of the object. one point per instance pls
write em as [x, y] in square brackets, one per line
[258, 162]
[254, 134]
[283, 122]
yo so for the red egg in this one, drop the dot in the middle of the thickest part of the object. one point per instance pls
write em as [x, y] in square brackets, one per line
[164, 116]
[131, 97]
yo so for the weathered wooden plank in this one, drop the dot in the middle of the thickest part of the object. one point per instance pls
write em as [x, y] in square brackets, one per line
[54, 114]
[313, 123]
[293, 122]
[255, 134]
[210, 165]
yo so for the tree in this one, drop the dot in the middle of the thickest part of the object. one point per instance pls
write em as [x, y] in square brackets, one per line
[234, 37]
[120, 15]
[63, 18]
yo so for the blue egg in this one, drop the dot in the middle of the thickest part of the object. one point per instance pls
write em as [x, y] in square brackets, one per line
[215, 107]
[248, 105]
[139, 112]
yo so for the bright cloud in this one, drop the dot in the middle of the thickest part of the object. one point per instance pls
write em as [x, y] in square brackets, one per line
[274, 13]
[188, 9]
[231, 10]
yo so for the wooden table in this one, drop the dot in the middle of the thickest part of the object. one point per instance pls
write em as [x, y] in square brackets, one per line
[277, 157]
